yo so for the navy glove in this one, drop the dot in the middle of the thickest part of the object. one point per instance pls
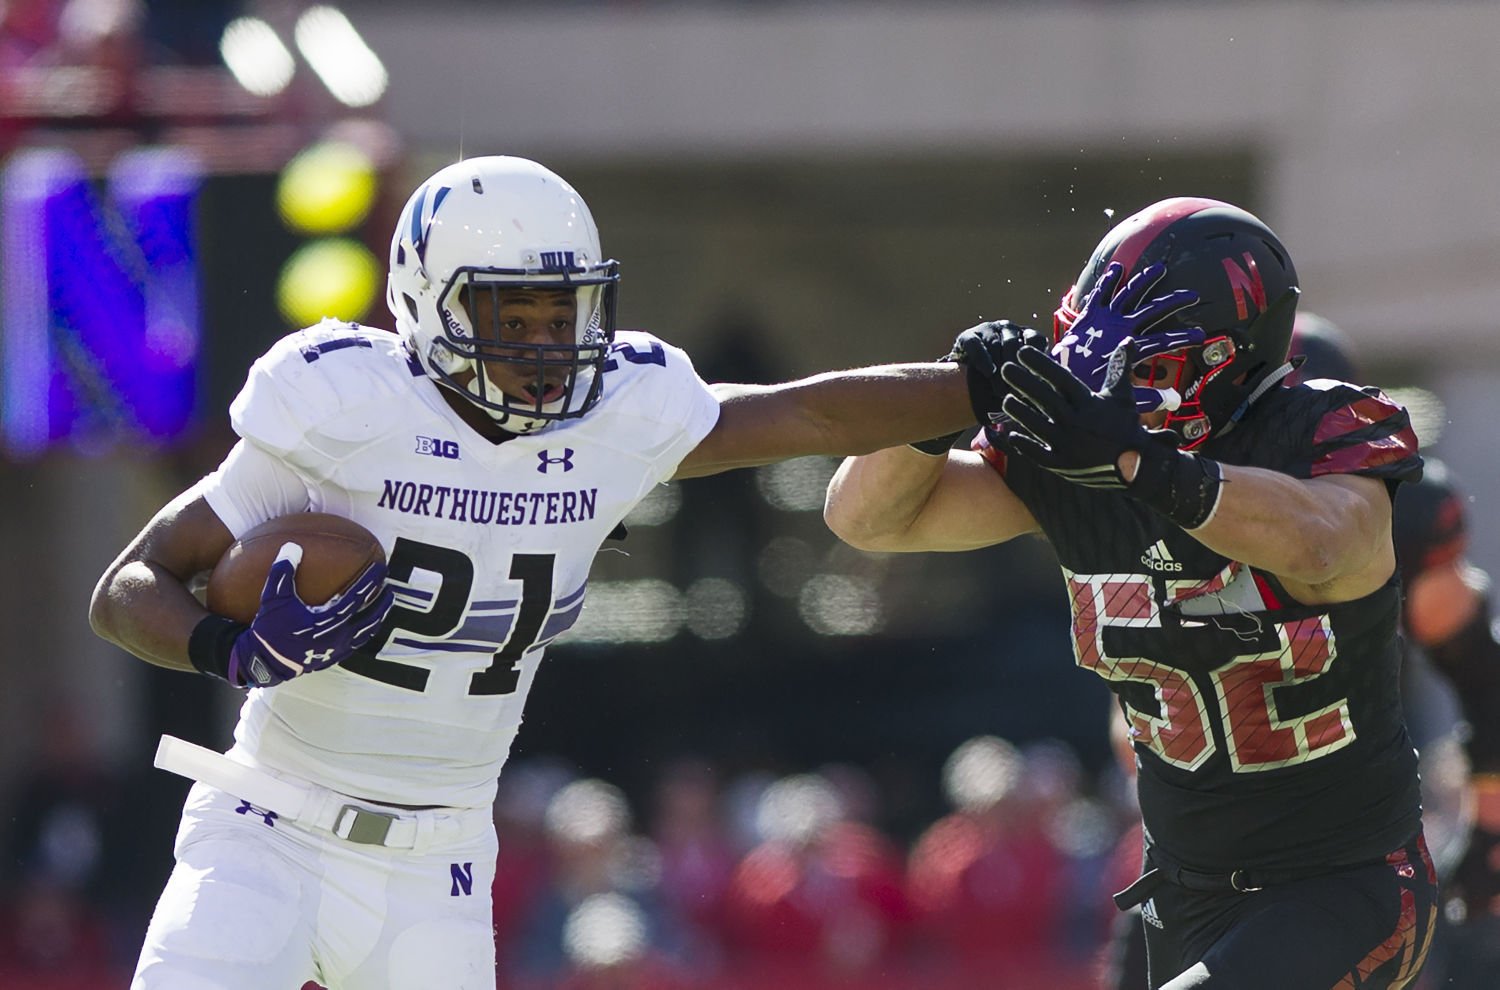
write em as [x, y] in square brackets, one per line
[1107, 317]
[1058, 423]
[287, 637]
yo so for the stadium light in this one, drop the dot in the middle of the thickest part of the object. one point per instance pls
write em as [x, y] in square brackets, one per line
[352, 72]
[715, 608]
[327, 188]
[330, 277]
[256, 57]
[840, 605]
[641, 611]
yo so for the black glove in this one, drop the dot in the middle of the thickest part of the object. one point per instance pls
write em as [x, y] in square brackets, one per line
[982, 349]
[1079, 435]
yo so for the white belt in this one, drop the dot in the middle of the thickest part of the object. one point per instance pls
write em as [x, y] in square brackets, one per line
[308, 804]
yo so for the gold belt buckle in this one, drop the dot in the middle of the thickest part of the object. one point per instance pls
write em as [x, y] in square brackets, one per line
[362, 825]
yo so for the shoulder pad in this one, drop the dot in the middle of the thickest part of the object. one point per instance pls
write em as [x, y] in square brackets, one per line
[654, 378]
[1335, 427]
[327, 379]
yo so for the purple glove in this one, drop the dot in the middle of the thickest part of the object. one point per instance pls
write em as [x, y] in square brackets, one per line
[288, 638]
[1107, 317]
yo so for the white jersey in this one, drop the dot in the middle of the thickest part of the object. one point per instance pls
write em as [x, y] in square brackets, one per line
[489, 547]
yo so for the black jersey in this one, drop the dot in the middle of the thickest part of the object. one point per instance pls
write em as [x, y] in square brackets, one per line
[1268, 734]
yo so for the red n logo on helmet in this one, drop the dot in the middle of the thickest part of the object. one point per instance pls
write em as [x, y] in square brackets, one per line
[1243, 280]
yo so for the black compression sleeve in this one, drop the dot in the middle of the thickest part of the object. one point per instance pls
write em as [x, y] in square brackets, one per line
[1183, 487]
[211, 643]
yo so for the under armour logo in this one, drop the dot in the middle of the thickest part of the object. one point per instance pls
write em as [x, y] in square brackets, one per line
[545, 456]
[246, 808]
[1087, 347]
[314, 656]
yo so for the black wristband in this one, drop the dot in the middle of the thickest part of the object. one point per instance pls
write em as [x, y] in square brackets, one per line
[1183, 487]
[211, 643]
[937, 446]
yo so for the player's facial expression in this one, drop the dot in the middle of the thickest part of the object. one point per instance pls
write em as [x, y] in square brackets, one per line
[538, 317]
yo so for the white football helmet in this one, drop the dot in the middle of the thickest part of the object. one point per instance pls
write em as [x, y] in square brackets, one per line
[495, 223]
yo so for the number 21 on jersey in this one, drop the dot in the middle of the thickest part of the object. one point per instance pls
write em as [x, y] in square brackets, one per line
[445, 615]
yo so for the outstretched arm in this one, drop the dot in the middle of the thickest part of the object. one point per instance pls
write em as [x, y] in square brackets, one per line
[904, 500]
[837, 413]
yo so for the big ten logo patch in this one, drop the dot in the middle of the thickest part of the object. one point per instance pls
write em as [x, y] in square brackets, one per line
[434, 447]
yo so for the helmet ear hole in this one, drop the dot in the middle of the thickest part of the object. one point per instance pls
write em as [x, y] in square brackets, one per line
[411, 306]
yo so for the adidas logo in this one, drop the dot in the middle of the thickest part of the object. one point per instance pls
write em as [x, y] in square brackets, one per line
[1149, 915]
[1157, 558]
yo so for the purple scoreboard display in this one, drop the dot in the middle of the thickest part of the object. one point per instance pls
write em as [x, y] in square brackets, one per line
[99, 314]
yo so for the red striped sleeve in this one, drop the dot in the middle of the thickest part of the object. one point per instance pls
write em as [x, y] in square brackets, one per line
[1348, 455]
[1364, 411]
[1367, 456]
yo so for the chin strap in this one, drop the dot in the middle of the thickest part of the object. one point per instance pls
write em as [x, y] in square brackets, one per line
[1266, 384]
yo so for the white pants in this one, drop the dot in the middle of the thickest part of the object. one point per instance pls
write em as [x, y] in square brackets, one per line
[258, 903]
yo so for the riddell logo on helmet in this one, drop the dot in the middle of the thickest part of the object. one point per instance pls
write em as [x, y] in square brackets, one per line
[1243, 280]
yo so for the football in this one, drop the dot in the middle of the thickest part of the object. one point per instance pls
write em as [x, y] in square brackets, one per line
[335, 551]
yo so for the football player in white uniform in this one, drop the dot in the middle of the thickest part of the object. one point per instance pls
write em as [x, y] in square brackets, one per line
[492, 444]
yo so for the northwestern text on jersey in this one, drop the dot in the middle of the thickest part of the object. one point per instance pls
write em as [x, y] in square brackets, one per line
[476, 505]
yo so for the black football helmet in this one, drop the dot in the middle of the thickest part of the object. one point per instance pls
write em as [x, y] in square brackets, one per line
[1247, 292]
[1324, 351]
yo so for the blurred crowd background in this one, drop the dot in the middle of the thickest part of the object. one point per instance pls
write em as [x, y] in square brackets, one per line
[762, 758]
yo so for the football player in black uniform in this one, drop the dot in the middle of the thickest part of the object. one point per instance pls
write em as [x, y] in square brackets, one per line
[1226, 544]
